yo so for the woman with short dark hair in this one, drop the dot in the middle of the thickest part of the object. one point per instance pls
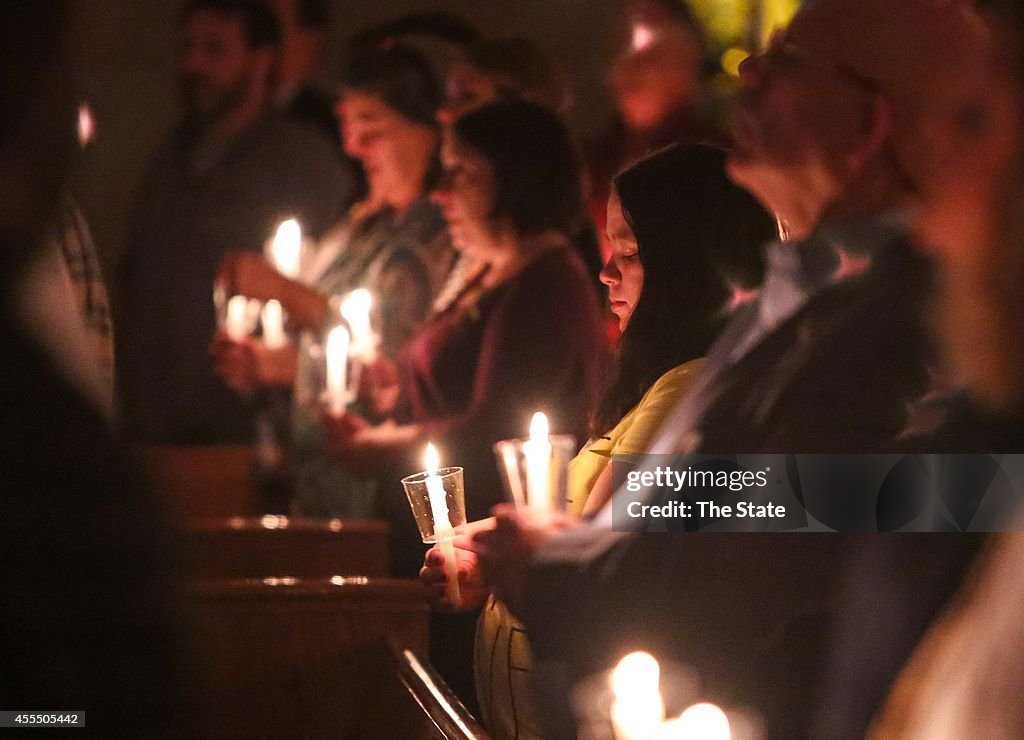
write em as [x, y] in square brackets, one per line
[394, 244]
[524, 333]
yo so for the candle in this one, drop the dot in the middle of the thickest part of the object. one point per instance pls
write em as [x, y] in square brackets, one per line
[337, 367]
[699, 722]
[272, 319]
[537, 450]
[286, 249]
[355, 309]
[637, 708]
[444, 533]
[236, 323]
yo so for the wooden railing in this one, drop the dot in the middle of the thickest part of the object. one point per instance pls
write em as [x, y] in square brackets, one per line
[254, 547]
[449, 717]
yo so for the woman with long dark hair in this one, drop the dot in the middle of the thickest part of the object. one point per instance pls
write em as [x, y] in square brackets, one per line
[686, 245]
[685, 242]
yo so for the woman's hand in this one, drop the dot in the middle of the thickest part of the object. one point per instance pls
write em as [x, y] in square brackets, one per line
[235, 363]
[247, 365]
[249, 274]
[275, 367]
[360, 447]
[378, 386]
[504, 553]
[472, 590]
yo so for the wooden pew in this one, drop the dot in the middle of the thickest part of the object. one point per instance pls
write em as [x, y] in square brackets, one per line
[293, 658]
[201, 482]
[254, 547]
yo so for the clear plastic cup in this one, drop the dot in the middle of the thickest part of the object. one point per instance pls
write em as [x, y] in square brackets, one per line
[418, 492]
[511, 457]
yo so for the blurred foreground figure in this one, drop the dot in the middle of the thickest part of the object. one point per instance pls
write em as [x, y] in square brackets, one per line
[230, 173]
[967, 677]
[827, 359]
[85, 617]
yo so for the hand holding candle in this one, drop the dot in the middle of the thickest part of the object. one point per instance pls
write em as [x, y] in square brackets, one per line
[438, 504]
[444, 533]
[535, 471]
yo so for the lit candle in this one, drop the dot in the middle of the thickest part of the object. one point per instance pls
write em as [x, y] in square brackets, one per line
[337, 367]
[444, 533]
[643, 36]
[699, 722]
[637, 708]
[236, 323]
[286, 249]
[272, 319]
[537, 450]
[355, 309]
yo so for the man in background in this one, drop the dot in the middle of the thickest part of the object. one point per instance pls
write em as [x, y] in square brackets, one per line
[229, 173]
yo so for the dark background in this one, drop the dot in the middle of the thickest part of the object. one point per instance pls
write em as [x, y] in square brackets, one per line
[126, 71]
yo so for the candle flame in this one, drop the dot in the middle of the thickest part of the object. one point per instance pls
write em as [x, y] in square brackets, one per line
[643, 36]
[539, 428]
[638, 709]
[636, 673]
[431, 461]
[356, 304]
[287, 248]
[702, 720]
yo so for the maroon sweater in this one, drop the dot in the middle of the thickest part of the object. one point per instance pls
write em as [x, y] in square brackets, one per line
[473, 377]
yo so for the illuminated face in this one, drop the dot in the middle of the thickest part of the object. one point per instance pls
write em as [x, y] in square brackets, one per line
[798, 117]
[216, 67]
[466, 89]
[657, 78]
[466, 196]
[394, 151]
[977, 185]
[623, 273]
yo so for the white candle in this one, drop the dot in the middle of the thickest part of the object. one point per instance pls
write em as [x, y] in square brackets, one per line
[286, 249]
[537, 450]
[337, 367]
[699, 722]
[355, 309]
[637, 708]
[236, 323]
[272, 319]
[444, 533]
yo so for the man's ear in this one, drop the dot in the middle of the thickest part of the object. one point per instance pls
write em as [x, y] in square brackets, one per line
[876, 128]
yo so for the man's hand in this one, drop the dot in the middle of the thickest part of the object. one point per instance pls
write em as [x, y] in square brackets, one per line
[504, 553]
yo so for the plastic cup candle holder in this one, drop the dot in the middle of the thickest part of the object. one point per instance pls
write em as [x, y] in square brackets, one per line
[437, 498]
[535, 470]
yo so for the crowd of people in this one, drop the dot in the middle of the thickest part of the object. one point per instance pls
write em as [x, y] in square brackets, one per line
[833, 267]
